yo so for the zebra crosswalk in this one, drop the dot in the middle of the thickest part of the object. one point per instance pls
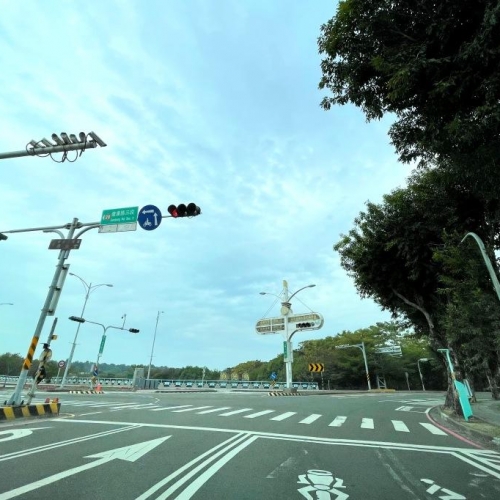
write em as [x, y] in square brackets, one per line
[336, 421]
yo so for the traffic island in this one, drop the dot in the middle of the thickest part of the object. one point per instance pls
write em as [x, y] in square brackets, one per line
[36, 410]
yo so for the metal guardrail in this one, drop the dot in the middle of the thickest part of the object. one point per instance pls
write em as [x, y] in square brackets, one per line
[153, 383]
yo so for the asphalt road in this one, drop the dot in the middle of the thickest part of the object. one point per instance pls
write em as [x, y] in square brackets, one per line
[242, 446]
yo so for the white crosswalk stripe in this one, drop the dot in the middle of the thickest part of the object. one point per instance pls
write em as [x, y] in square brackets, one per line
[259, 414]
[433, 429]
[310, 419]
[283, 416]
[235, 412]
[367, 423]
[400, 426]
[339, 421]
[191, 409]
[213, 410]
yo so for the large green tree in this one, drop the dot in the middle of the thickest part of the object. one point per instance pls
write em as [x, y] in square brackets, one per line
[432, 65]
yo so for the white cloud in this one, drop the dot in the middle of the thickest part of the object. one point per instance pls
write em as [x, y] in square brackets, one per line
[214, 105]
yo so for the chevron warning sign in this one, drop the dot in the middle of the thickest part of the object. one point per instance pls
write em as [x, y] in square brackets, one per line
[316, 367]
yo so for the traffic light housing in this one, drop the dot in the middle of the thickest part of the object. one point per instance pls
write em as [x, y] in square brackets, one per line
[40, 375]
[3, 237]
[191, 210]
[133, 330]
[305, 325]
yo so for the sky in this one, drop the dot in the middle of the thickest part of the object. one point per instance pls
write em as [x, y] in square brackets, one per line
[211, 102]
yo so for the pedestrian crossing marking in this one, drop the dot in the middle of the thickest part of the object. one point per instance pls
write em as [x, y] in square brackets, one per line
[259, 414]
[400, 426]
[367, 423]
[337, 422]
[191, 409]
[170, 407]
[235, 412]
[310, 419]
[283, 416]
[213, 410]
[433, 429]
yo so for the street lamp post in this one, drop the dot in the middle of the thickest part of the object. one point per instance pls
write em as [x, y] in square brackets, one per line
[89, 288]
[153, 346]
[79, 319]
[286, 309]
[420, 371]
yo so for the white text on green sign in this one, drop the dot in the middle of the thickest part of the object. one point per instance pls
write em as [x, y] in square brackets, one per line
[119, 215]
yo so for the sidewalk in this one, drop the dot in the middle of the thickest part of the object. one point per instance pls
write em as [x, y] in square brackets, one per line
[483, 427]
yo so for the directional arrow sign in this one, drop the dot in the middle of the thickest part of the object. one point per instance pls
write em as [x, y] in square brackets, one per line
[316, 367]
[149, 217]
[128, 453]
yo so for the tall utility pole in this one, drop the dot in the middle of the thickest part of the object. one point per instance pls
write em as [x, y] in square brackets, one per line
[153, 346]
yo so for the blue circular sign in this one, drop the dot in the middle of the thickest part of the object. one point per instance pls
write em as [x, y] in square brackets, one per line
[149, 217]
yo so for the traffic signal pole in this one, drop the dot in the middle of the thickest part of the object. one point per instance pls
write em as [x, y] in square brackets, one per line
[51, 300]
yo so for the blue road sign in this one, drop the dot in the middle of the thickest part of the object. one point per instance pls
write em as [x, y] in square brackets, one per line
[95, 371]
[273, 376]
[149, 217]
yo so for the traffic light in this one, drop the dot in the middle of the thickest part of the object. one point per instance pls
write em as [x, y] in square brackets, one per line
[3, 237]
[40, 375]
[133, 330]
[305, 325]
[192, 210]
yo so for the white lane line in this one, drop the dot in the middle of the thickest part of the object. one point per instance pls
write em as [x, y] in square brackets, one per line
[234, 412]
[310, 419]
[170, 407]
[400, 426]
[337, 421]
[367, 423]
[288, 414]
[433, 429]
[213, 410]
[91, 413]
[259, 414]
[191, 409]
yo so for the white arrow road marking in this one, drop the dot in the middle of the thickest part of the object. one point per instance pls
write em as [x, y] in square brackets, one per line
[129, 453]
[18, 433]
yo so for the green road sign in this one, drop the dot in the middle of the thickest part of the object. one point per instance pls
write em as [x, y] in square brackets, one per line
[103, 341]
[119, 216]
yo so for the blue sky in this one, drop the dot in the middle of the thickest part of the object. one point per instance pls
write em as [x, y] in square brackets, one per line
[212, 102]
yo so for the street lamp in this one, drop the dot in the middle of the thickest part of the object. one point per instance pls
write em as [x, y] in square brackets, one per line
[153, 346]
[79, 319]
[286, 309]
[89, 288]
[420, 372]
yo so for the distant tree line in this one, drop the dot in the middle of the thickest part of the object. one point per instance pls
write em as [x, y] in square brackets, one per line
[343, 368]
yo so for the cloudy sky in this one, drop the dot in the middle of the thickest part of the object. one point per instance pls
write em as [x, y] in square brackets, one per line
[211, 102]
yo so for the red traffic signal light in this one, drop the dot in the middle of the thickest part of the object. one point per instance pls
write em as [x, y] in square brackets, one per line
[192, 210]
